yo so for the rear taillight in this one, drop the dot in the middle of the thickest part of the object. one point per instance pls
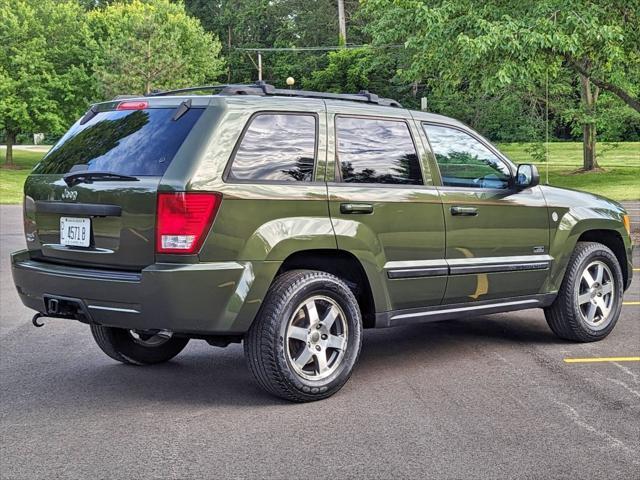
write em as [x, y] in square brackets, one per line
[183, 220]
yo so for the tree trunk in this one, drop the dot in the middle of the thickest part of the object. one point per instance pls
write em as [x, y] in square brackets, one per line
[147, 83]
[228, 53]
[342, 23]
[11, 140]
[589, 98]
[589, 147]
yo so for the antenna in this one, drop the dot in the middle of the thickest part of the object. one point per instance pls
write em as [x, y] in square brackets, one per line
[546, 140]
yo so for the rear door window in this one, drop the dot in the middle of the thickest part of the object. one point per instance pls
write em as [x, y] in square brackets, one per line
[276, 147]
[372, 150]
[138, 142]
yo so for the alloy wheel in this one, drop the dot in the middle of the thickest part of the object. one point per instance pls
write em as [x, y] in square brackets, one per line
[596, 295]
[316, 338]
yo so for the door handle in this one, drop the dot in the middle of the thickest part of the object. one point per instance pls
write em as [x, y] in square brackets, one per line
[464, 211]
[356, 208]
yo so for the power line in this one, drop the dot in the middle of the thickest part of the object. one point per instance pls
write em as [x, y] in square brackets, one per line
[314, 49]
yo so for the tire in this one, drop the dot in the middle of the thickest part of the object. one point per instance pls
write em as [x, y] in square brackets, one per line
[568, 316]
[300, 355]
[121, 345]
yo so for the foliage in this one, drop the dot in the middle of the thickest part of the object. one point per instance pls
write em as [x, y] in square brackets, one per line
[492, 45]
[482, 62]
[150, 45]
[495, 43]
[44, 79]
[266, 23]
[352, 70]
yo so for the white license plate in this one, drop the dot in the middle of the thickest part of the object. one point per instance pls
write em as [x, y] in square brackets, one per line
[75, 231]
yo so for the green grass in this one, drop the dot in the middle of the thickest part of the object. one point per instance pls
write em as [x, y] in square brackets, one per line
[569, 154]
[12, 180]
[619, 181]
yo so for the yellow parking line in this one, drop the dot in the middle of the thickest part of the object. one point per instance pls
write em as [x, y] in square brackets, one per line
[602, 359]
[631, 303]
[636, 269]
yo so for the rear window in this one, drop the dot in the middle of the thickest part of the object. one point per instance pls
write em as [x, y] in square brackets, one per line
[276, 147]
[372, 150]
[138, 142]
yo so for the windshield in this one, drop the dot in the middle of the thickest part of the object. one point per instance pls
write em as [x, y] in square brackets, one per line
[138, 143]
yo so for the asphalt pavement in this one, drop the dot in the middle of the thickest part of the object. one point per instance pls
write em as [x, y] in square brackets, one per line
[489, 397]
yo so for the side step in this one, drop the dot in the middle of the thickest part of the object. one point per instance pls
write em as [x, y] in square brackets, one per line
[461, 310]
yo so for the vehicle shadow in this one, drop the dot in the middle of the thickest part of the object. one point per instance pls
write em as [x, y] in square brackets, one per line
[447, 340]
[206, 377]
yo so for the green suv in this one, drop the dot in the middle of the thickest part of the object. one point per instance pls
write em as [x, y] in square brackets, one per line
[292, 220]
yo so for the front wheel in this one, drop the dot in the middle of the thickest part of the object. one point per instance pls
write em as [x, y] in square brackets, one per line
[136, 347]
[590, 297]
[306, 339]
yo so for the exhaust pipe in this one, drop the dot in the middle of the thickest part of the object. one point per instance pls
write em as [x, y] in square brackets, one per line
[166, 334]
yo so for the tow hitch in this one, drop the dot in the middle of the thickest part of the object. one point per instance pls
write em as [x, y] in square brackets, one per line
[61, 307]
[35, 318]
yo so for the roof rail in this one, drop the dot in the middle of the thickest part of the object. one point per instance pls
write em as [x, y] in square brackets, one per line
[162, 93]
[262, 88]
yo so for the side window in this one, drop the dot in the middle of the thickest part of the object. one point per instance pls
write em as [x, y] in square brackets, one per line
[276, 147]
[464, 161]
[376, 151]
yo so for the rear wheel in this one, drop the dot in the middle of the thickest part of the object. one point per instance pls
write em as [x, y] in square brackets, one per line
[590, 297]
[137, 347]
[306, 339]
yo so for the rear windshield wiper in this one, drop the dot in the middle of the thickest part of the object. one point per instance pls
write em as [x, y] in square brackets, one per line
[89, 176]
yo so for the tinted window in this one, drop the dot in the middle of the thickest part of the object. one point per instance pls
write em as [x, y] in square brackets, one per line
[464, 161]
[139, 142]
[277, 147]
[376, 151]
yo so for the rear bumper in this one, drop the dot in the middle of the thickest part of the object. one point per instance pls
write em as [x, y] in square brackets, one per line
[203, 298]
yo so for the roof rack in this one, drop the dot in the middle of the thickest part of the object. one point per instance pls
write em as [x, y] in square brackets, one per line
[162, 93]
[262, 88]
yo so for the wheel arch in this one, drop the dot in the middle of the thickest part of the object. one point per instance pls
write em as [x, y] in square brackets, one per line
[613, 240]
[586, 223]
[344, 265]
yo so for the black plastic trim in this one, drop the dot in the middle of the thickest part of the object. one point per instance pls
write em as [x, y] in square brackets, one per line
[89, 209]
[510, 267]
[77, 272]
[418, 272]
[436, 313]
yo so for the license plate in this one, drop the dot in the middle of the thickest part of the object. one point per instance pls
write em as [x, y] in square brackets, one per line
[75, 231]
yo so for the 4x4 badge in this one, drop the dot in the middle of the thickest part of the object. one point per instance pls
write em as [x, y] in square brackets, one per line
[69, 194]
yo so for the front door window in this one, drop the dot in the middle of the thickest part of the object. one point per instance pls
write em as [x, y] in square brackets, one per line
[464, 161]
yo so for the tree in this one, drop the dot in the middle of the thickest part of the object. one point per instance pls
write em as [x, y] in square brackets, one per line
[491, 44]
[342, 22]
[282, 23]
[45, 80]
[150, 45]
[355, 69]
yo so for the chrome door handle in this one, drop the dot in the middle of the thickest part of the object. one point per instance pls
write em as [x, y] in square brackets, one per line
[356, 208]
[464, 211]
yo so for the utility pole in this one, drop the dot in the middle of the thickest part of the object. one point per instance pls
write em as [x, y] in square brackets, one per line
[260, 66]
[342, 39]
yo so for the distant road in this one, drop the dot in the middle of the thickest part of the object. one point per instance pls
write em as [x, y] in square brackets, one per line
[29, 148]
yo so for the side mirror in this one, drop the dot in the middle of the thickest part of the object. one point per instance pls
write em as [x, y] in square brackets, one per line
[527, 176]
